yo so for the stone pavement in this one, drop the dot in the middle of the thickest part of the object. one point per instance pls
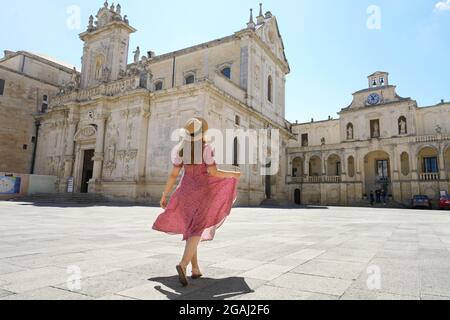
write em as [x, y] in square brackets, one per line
[317, 253]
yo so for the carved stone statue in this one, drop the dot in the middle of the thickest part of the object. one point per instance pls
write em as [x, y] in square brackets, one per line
[376, 130]
[91, 23]
[137, 54]
[350, 133]
[75, 79]
[112, 153]
[105, 74]
[402, 126]
[125, 19]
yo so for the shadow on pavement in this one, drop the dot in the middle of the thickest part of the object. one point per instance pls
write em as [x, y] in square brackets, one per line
[203, 289]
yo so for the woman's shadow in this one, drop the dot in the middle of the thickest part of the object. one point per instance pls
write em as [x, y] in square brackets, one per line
[203, 288]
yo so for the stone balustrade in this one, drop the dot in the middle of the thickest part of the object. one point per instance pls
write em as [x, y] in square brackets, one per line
[313, 179]
[433, 138]
[429, 176]
[110, 89]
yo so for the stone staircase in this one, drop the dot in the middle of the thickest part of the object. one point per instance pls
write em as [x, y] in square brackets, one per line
[69, 199]
[389, 205]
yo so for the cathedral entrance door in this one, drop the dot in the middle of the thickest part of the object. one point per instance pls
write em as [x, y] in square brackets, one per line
[88, 169]
[298, 197]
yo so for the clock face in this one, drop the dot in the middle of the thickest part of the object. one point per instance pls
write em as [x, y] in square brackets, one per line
[373, 99]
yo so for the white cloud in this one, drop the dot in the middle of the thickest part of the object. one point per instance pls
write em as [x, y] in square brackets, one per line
[443, 5]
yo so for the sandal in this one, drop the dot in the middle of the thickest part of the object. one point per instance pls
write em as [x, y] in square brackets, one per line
[182, 275]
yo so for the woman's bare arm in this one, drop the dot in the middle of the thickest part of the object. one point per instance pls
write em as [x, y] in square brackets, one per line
[171, 181]
[214, 172]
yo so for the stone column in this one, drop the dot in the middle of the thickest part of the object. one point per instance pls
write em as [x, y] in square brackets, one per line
[443, 185]
[396, 187]
[69, 158]
[360, 187]
[306, 166]
[98, 155]
[415, 190]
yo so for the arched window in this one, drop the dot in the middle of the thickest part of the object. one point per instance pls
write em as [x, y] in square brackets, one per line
[270, 89]
[235, 152]
[189, 79]
[350, 132]
[402, 125]
[226, 71]
[158, 86]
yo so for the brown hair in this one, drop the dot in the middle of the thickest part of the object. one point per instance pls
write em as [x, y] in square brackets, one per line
[194, 128]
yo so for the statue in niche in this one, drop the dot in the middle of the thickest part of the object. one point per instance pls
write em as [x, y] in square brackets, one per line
[350, 132]
[99, 67]
[105, 74]
[111, 153]
[376, 130]
[402, 126]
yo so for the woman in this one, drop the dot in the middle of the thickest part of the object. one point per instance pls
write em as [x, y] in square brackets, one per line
[203, 199]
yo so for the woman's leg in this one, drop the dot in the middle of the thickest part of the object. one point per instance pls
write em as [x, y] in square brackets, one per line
[195, 266]
[190, 251]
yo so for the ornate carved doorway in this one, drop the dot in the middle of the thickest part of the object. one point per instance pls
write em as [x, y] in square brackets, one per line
[88, 169]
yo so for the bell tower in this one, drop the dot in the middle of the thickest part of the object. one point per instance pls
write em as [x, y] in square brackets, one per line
[106, 45]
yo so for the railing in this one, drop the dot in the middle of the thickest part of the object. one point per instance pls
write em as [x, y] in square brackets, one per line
[429, 176]
[110, 89]
[329, 179]
[433, 138]
[314, 179]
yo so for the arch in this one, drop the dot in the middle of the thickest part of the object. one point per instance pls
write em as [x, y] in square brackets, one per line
[226, 71]
[377, 171]
[189, 78]
[270, 89]
[350, 131]
[428, 158]
[351, 166]
[315, 166]
[402, 125]
[404, 164]
[297, 167]
[334, 165]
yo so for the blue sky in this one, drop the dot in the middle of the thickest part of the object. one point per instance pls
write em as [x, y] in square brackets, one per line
[330, 48]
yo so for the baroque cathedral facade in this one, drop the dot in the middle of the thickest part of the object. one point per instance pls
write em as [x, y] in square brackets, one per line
[109, 128]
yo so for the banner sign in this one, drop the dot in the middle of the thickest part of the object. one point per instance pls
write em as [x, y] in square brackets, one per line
[9, 185]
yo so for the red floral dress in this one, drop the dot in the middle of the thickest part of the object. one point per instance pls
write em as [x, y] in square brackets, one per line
[200, 204]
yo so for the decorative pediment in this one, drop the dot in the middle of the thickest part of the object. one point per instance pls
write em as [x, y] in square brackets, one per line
[270, 34]
[87, 133]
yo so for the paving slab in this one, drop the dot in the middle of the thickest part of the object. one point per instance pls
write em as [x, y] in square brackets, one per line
[301, 254]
